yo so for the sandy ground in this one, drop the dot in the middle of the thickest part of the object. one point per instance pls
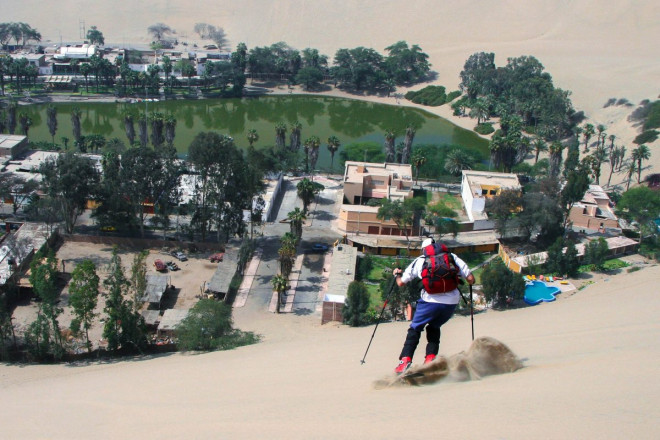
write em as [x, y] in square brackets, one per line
[590, 365]
[597, 50]
[188, 281]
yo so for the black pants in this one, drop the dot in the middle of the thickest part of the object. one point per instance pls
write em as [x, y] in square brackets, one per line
[429, 315]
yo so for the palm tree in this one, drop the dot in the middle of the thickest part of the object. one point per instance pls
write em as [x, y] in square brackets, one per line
[479, 110]
[279, 284]
[51, 114]
[417, 160]
[26, 122]
[129, 127]
[85, 70]
[157, 126]
[587, 133]
[640, 154]
[539, 146]
[297, 218]
[390, 152]
[295, 136]
[170, 129]
[280, 135]
[287, 253]
[11, 118]
[252, 136]
[333, 145]
[600, 128]
[599, 156]
[631, 169]
[311, 146]
[76, 113]
[142, 129]
[167, 69]
[307, 190]
[407, 143]
[622, 154]
[458, 160]
[556, 149]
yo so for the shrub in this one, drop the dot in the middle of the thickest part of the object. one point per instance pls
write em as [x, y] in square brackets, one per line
[453, 95]
[433, 96]
[208, 326]
[365, 266]
[633, 269]
[357, 305]
[653, 116]
[500, 285]
[646, 137]
[484, 128]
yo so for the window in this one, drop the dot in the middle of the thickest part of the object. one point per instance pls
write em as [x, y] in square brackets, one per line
[484, 192]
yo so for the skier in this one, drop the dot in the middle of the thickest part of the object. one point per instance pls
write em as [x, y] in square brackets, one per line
[433, 309]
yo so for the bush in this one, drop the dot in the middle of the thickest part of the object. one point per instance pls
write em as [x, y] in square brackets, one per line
[484, 128]
[357, 305]
[653, 116]
[208, 326]
[633, 269]
[500, 285]
[433, 96]
[365, 265]
[646, 137]
[453, 95]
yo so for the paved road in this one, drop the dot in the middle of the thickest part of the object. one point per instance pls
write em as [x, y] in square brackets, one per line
[316, 230]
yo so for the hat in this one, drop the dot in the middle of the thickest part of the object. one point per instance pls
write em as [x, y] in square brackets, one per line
[427, 241]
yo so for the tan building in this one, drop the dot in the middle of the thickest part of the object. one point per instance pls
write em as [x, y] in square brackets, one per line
[594, 211]
[12, 145]
[364, 181]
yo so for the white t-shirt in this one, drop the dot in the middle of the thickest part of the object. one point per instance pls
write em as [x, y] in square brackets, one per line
[414, 270]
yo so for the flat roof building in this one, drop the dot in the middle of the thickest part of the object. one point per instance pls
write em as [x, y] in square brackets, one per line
[478, 186]
[13, 145]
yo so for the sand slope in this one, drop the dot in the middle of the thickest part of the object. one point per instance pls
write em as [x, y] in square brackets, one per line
[590, 372]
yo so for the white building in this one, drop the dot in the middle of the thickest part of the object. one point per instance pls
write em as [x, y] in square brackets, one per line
[479, 186]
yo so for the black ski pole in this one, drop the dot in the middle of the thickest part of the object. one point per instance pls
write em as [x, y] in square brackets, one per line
[387, 298]
[471, 312]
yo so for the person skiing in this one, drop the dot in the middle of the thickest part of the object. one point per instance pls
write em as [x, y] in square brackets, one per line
[433, 309]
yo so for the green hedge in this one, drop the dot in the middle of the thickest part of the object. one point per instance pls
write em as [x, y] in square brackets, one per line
[433, 96]
[484, 128]
[646, 137]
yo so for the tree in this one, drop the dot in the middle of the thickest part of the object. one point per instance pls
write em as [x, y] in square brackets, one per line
[252, 136]
[124, 327]
[279, 283]
[587, 133]
[170, 129]
[333, 145]
[577, 183]
[595, 253]
[458, 160]
[390, 152]
[307, 191]
[403, 213]
[641, 205]
[500, 285]
[297, 218]
[20, 191]
[539, 146]
[555, 260]
[417, 160]
[280, 135]
[209, 326]
[287, 253]
[71, 180]
[95, 36]
[479, 110]
[11, 118]
[311, 146]
[503, 208]
[25, 121]
[407, 143]
[356, 306]
[43, 337]
[139, 277]
[571, 263]
[51, 112]
[159, 31]
[638, 155]
[406, 64]
[210, 32]
[129, 127]
[294, 138]
[311, 77]
[157, 126]
[76, 113]
[83, 297]
[478, 74]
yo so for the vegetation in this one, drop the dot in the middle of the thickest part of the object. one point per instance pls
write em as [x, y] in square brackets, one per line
[357, 304]
[83, 297]
[209, 326]
[646, 137]
[501, 286]
[484, 128]
[433, 96]
[641, 205]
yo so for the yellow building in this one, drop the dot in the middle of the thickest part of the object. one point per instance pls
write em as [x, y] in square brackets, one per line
[479, 186]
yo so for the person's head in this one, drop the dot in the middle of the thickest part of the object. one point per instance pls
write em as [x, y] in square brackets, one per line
[427, 241]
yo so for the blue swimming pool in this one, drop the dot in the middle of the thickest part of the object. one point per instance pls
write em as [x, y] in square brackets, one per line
[538, 291]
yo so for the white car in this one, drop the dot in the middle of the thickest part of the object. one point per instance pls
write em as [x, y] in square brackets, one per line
[179, 256]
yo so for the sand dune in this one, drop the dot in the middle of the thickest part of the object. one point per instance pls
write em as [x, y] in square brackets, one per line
[590, 372]
[590, 358]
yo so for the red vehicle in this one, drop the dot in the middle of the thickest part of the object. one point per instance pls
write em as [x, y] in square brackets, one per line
[215, 258]
[160, 266]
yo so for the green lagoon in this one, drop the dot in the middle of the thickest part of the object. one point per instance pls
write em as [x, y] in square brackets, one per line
[349, 120]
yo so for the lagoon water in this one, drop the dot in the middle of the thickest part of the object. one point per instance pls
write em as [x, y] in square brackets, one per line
[349, 120]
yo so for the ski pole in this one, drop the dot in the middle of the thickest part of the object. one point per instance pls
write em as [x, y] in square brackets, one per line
[387, 298]
[471, 312]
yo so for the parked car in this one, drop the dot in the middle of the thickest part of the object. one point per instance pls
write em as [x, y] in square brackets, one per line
[217, 257]
[160, 266]
[320, 247]
[179, 256]
[171, 265]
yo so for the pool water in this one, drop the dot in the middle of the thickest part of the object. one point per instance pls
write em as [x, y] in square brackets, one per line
[538, 291]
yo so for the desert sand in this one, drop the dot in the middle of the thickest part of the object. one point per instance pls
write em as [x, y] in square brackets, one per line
[590, 364]
[590, 358]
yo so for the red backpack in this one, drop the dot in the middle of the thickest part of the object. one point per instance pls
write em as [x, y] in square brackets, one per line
[439, 272]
